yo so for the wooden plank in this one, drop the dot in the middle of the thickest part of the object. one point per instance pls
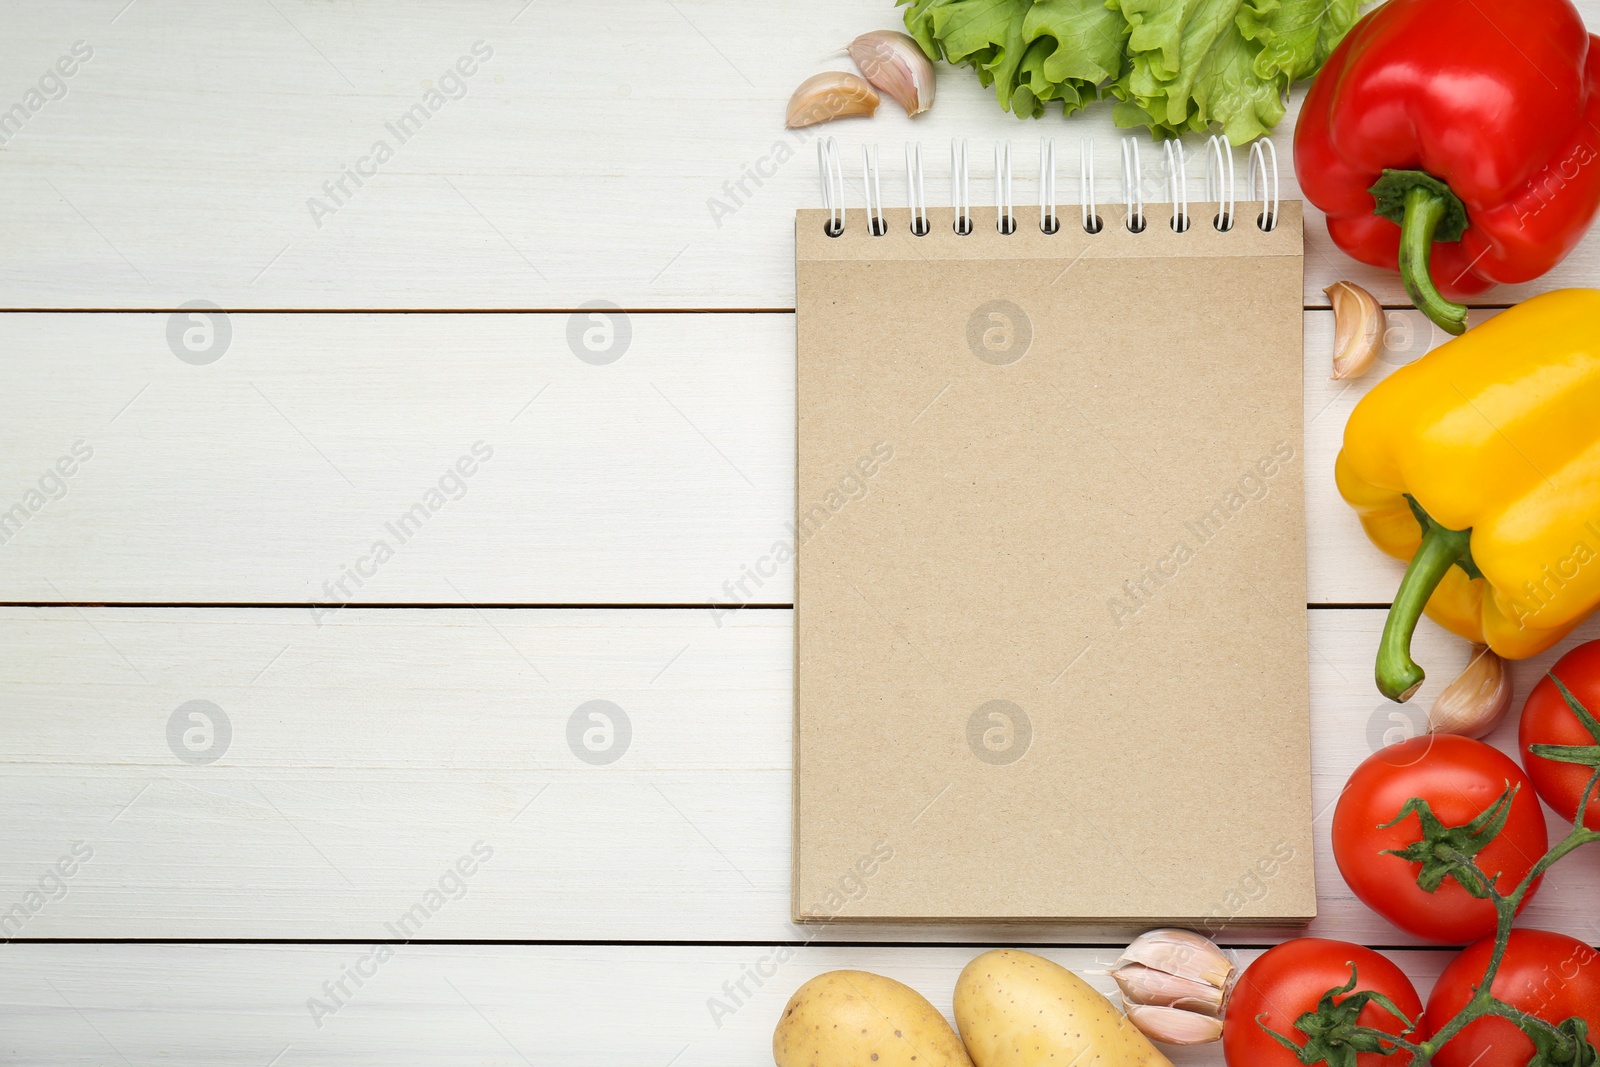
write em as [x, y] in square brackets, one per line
[665, 476]
[274, 472]
[209, 154]
[428, 1004]
[362, 758]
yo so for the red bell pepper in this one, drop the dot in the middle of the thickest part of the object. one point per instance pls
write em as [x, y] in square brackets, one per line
[1458, 141]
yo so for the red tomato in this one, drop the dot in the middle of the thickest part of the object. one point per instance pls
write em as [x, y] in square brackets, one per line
[1289, 980]
[1548, 975]
[1460, 778]
[1546, 720]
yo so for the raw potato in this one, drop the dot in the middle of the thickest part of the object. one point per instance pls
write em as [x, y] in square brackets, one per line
[857, 1019]
[1016, 1009]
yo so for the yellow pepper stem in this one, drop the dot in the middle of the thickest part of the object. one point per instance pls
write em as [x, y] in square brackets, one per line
[1397, 673]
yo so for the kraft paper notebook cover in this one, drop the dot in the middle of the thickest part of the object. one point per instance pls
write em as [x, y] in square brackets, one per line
[1051, 657]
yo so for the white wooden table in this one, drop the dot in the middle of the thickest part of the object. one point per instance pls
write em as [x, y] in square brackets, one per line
[225, 482]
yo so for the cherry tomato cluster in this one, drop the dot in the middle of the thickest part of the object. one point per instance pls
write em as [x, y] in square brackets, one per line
[1551, 976]
[1405, 820]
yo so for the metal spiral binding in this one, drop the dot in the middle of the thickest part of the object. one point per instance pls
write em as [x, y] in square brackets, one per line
[1178, 185]
[1263, 185]
[1048, 221]
[1220, 188]
[1005, 208]
[1132, 180]
[1260, 152]
[916, 191]
[1092, 222]
[877, 225]
[960, 187]
[832, 185]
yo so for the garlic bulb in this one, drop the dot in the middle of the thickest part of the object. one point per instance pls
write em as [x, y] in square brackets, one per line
[895, 63]
[1174, 984]
[1180, 952]
[1146, 985]
[830, 95]
[1174, 1027]
[1475, 702]
[1357, 329]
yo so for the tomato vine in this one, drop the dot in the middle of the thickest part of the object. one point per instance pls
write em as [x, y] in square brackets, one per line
[1331, 1031]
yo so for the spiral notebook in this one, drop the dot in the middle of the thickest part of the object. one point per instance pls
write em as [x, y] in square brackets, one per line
[1051, 657]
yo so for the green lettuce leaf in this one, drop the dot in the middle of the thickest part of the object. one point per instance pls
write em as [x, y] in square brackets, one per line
[1170, 65]
[1033, 53]
[1298, 36]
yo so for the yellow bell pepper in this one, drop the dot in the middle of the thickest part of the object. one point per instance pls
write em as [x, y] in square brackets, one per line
[1480, 465]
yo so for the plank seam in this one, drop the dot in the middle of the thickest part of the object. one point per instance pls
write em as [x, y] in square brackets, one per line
[422, 606]
[658, 943]
[278, 605]
[513, 311]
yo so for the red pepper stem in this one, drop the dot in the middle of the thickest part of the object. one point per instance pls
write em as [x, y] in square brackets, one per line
[1424, 210]
[1397, 673]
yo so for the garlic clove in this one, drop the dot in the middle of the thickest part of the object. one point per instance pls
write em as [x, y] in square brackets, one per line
[1476, 701]
[895, 63]
[1357, 329]
[1183, 953]
[1172, 1026]
[1146, 985]
[830, 95]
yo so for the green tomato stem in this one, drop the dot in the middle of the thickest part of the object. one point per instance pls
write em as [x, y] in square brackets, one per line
[1523, 1020]
[1390, 1039]
[1587, 799]
[1506, 905]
